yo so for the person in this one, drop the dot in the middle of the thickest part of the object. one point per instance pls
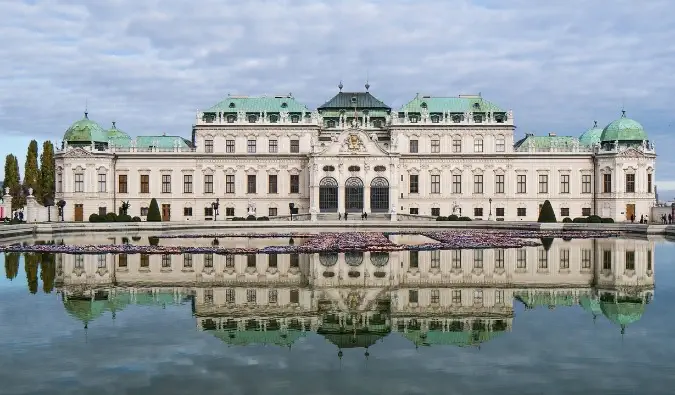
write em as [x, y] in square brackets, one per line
[339, 216]
[670, 218]
[345, 215]
[365, 215]
[642, 219]
[632, 218]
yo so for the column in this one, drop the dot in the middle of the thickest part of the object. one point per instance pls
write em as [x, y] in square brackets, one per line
[366, 196]
[394, 181]
[341, 190]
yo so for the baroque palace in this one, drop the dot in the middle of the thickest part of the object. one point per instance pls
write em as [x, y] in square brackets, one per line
[433, 156]
[355, 299]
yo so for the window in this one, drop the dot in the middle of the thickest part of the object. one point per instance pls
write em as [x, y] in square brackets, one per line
[435, 260]
[478, 183]
[585, 212]
[564, 212]
[101, 261]
[499, 211]
[166, 183]
[649, 260]
[630, 183]
[414, 211]
[586, 183]
[478, 212]
[543, 259]
[145, 260]
[295, 183]
[435, 211]
[414, 258]
[414, 183]
[102, 211]
[435, 119]
[456, 145]
[229, 261]
[101, 183]
[500, 144]
[413, 119]
[607, 260]
[521, 259]
[564, 183]
[187, 211]
[521, 211]
[122, 260]
[229, 183]
[272, 260]
[208, 296]
[229, 211]
[145, 183]
[187, 183]
[478, 259]
[273, 296]
[250, 296]
[144, 211]
[435, 296]
[478, 145]
[499, 296]
[649, 183]
[166, 261]
[272, 183]
[295, 146]
[499, 183]
[499, 258]
[229, 146]
[59, 183]
[231, 118]
[456, 183]
[521, 183]
[456, 296]
[413, 146]
[543, 183]
[295, 119]
[478, 297]
[435, 146]
[295, 260]
[272, 212]
[456, 259]
[122, 186]
[586, 255]
[273, 147]
[230, 296]
[251, 183]
[607, 183]
[79, 182]
[412, 296]
[208, 211]
[208, 260]
[251, 147]
[208, 146]
[208, 183]
[435, 183]
[564, 259]
[630, 260]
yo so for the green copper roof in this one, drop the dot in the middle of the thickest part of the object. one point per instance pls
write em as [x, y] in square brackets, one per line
[450, 338]
[256, 337]
[258, 104]
[85, 310]
[546, 299]
[545, 142]
[623, 129]
[591, 136]
[450, 104]
[590, 304]
[85, 131]
[622, 313]
[349, 100]
[351, 340]
[162, 142]
[114, 133]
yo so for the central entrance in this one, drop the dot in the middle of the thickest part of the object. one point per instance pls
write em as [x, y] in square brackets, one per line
[354, 195]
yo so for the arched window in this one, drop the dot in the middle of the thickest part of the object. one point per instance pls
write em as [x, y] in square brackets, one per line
[328, 259]
[379, 259]
[354, 195]
[328, 195]
[354, 258]
[232, 105]
[379, 195]
[252, 118]
[274, 118]
[231, 118]
[295, 119]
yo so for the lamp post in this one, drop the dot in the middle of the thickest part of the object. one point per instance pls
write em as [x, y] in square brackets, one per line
[215, 206]
[490, 214]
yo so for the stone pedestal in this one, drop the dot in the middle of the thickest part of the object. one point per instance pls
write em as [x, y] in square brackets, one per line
[6, 205]
[32, 209]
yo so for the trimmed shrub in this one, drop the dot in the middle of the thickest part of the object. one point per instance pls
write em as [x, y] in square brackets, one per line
[453, 217]
[567, 220]
[153, 212]
[547, 242]
[579, 220]
[96, 218]
[546, 214]
[124, 218]
[111, 217]
[594, 219]
[463, 219]
[441, 218]
[238, 219]
[153, 240]
[607, 220]
[135, 238]
[250, 218]
[136, 219]
[263, 219]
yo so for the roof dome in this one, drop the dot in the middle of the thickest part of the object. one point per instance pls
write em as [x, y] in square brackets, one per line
[622, 313]
[114, 133]
[85, 131]
[591, 136]
[623, 129]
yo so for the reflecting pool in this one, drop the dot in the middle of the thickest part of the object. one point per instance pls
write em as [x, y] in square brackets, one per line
[570, 316]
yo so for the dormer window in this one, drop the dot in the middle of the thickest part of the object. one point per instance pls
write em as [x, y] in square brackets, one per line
[500, 118]
[476, 105]
[330, 124]
[423, 105]
[435, 119]
[273, 119]
[295, 119]
[413, 119]
[377, 124]
[478, 118]
[252, 118]
[232, 105]
[457, 118]
[231, 118]
[353, 99]
[284, 105]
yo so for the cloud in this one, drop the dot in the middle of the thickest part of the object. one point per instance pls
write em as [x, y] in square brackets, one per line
[150, 65]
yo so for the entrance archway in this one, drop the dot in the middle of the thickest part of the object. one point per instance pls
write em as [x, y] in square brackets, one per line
[354, 195]
[328, 195]
[379, 195]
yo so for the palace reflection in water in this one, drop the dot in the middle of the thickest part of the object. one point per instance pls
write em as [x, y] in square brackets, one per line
[453, 297]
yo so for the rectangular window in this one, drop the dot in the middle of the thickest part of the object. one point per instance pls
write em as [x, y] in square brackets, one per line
[412, 296]
[414, 258]
[478, 259]
[229, 211]
[521, 259]
[499, 258]
[230, 296]
[414, 211]
[208, 260]
[649, 183]
[273, 147]
[630, 260]
[435, 296]
[295, 260]
[251, 146]
[456, 259]
[144, 211]
[456, 183]
[59, 183]
[187, 211]
[435, 183]
[166, 261]
[208, 183]
[272, 183]
[585, 212]
[101, 261]
[564, 212]
[499, 211]
[208, 296]
[435, 146]
[145, 260]
[272, 260]
[521, 183]
[456, 146]
[208, 146]
[187, 183]
[229, 183]
[414, 183]
[229, 146]
[102, 211]
[478, 145]
[79, 182]
[435, 259]
[478, 183]
[477, 212]
[435, 211]
[564, 183]
[250, 296]
[229, 261]
[501, 144]
[607, 260]
[630, 183]
[122, 186]
[478, 297]
[521, 211]
[102, 183]
[586, 183]
[543, 259]
[273, 296]
[166, 183]
[122, 261]
[564, 259]
[543, 183]
[456, 296]
[499, 297]
[413, 146]
[586, 255]
[145, 183]
[499, 183]
[295, 146]
[251, 183]
[607, 183]
[208, 211]
[649, 260]
[295, 183]
[272, 212]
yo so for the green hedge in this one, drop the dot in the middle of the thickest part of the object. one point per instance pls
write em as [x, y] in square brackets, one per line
[111, 217]
[153, 212]
[567, 220]
[546, 214]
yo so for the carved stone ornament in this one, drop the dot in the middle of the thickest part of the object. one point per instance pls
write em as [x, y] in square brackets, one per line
[78, 153]
[631, 153]
[354, 143]
[6, 191]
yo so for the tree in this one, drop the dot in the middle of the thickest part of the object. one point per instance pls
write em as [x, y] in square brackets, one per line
[47, 169]
[31, 171]
[13, 181]
[47, 272]
[546, 214]
[30, 264]
[153, 212]
[11, 265]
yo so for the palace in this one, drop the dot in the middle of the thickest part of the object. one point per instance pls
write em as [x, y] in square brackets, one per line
[354, 154]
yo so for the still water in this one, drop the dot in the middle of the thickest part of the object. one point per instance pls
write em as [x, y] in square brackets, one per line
[580, 316]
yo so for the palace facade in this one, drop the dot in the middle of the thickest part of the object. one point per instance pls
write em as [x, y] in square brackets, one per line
[433, 156]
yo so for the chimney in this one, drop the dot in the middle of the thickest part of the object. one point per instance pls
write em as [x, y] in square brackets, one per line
[552, 134]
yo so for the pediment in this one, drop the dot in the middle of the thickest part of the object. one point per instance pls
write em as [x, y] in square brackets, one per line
[78, 153]
[351, 142]
[631, 153]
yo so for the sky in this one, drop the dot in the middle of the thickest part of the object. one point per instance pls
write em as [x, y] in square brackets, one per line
[151, 65]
